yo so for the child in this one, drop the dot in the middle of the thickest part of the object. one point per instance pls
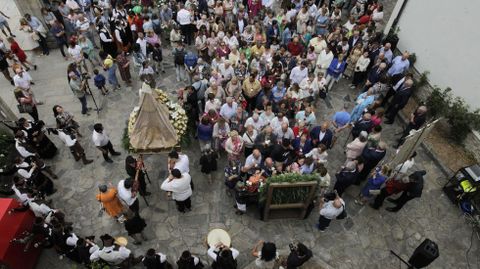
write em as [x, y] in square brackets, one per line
[179, 61]
[20, 54]
[100, 81]
[157, 58]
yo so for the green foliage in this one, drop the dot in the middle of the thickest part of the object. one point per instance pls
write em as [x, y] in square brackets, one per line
[412, 58]
[126, 139]
[287, 195]
[422, 80]
[6, 147]
[441, 103]
[99, 265]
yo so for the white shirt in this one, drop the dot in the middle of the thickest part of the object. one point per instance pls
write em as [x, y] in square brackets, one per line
[84, 25]
[182, 164]
[21, 149]
[227, 73]
[257, 125]
[318, 156]
[72, 240]
[281, 134]
[100, 139]
[276, 123]
[66, 139]
[143, 46]
[403, 168]
[22, 171]
[331, 212]
[22, 81]
[324, 59]
[250, 161]
[180, 187]
[110, 255]
[249, 139]
[22, 197]
[297, 74]
[75, 53]
[183, 17]
[215, 104]
[227, 111]
[125, 194]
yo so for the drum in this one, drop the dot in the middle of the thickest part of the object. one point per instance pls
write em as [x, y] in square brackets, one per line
[216, 236]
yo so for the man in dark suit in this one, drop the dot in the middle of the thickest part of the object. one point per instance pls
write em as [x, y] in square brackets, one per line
[371, 158]
[346, 177]
[417, 119]
[241, 22]
[414, 190]
[374, 75]
[321, 135]
[363, 124]
[354, 40]
[396, 82]
[400, 99]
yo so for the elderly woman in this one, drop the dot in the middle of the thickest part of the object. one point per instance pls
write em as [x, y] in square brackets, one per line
[355, 148]
[234, 146]
[249, 139]
[88, 51]
[124, 67]
[363, 101]
[221, 129]
[352, 59]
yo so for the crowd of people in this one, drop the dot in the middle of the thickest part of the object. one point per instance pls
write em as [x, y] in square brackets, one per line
[255, 73]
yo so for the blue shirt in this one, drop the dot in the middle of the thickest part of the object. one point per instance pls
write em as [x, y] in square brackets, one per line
[190, 59]
[278, 94]
[341, 118]
[398, 66]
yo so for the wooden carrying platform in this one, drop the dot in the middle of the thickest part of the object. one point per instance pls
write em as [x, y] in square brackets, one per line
[289, 210]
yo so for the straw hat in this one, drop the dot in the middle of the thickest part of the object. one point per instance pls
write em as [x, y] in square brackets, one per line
[216, 236]
[121, 241]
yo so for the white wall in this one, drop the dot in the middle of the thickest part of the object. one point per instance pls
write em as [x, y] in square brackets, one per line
[444, 35]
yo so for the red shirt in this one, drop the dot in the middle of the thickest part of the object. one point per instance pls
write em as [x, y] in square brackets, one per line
[15, 48]
[364, 19]
[295, 49]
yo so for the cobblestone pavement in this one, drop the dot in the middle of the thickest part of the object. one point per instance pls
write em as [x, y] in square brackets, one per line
[363, 240]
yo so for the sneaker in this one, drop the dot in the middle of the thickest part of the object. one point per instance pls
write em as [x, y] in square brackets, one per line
[35, 67]
[116, 153]
[109, 160]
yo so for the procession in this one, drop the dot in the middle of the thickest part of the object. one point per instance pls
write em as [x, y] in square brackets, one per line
[216, 134]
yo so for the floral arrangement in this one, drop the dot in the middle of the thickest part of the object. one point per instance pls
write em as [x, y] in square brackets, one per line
[178, 116]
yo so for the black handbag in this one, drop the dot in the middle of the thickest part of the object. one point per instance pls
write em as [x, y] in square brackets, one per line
[25, 108]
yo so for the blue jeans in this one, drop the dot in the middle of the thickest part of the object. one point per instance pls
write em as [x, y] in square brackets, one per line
[83, 101]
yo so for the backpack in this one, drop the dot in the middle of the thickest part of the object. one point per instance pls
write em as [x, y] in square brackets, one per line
[179, 56]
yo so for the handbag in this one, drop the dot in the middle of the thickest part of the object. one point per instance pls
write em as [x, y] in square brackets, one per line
[343, 214]
[25, 108]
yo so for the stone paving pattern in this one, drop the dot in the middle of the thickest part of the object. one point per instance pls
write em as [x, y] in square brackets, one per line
[363, 240]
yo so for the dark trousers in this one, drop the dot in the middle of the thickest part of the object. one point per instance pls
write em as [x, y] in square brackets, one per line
[106, 149]
[43, 44]
[34, 113]
[251, 103]
[187, 31]
[83, 101]
[323, 223]
[402, 200]
[391, 92]
[182, 205]
[135, 207]
[392, 112]
[61, 44]
[358, 77]
[380, 198]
